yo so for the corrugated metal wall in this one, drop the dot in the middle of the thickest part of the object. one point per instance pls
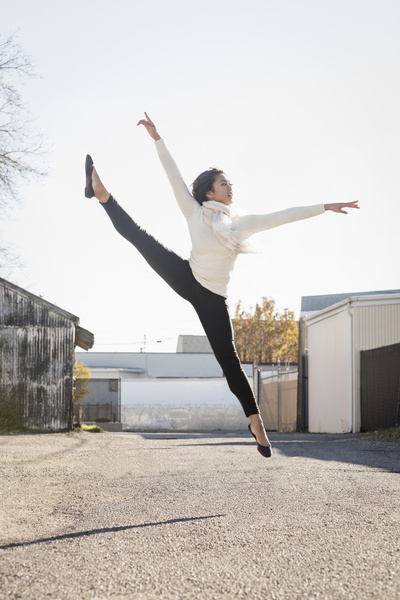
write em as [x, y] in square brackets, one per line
[36, 362]
[376, 326]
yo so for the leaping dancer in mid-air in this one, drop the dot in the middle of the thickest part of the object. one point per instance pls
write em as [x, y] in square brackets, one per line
[217, 238]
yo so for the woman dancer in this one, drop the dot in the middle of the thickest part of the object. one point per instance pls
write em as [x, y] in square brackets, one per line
[217, 239]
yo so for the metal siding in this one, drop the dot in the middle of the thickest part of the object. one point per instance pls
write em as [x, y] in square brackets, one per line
[36, 360]
[376, 326]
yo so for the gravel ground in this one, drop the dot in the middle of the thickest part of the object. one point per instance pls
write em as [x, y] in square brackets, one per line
[203, 517]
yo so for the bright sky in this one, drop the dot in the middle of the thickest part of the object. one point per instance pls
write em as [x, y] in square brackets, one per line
[297, 100]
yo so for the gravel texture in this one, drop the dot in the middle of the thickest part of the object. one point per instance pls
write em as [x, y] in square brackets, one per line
[198, 516]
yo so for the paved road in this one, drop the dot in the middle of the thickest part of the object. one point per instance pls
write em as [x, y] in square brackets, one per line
[202, 517]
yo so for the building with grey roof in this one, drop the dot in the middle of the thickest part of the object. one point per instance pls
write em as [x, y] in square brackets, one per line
[313, 304]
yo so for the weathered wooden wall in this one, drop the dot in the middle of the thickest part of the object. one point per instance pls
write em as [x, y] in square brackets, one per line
[36, 361]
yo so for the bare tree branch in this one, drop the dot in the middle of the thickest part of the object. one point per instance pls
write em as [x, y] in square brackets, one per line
[20, 147]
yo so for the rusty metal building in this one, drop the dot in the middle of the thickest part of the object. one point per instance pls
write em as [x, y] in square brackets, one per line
[37, 343]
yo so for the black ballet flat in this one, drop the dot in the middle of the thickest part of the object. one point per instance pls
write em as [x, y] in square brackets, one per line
[263, 450]
[89, 193]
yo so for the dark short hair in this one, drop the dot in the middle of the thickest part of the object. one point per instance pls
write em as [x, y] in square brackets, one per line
[204, 183]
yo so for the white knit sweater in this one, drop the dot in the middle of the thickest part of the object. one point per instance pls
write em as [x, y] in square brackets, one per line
[212, 262]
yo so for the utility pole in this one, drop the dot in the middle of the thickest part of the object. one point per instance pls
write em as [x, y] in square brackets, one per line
[143, 349]
[278, 415]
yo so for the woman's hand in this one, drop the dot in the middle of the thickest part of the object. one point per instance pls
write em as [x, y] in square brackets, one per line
[151, 128]
[339, 206]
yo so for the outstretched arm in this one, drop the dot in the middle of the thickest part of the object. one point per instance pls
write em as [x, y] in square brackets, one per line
[250, 224]
[188, 205]
[339, 206]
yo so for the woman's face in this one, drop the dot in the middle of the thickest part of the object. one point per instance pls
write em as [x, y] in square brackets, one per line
[222, 190]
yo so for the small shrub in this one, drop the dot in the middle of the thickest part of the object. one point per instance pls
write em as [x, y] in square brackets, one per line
[12, 416]
[92, 428]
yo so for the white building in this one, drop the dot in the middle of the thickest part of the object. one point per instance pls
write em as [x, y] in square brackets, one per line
[335, 337]
[163, 391]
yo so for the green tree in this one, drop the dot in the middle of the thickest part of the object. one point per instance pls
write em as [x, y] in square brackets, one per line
[262, 334]
[81, 376]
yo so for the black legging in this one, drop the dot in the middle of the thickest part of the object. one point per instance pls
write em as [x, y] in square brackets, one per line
[211, 308]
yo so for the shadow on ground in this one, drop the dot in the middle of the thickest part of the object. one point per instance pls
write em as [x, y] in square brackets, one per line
[78, 534]
[344, 448]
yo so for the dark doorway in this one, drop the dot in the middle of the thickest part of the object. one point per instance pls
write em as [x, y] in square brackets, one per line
[380, 387]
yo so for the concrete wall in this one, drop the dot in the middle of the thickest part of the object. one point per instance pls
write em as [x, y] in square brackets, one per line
[180, 405]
